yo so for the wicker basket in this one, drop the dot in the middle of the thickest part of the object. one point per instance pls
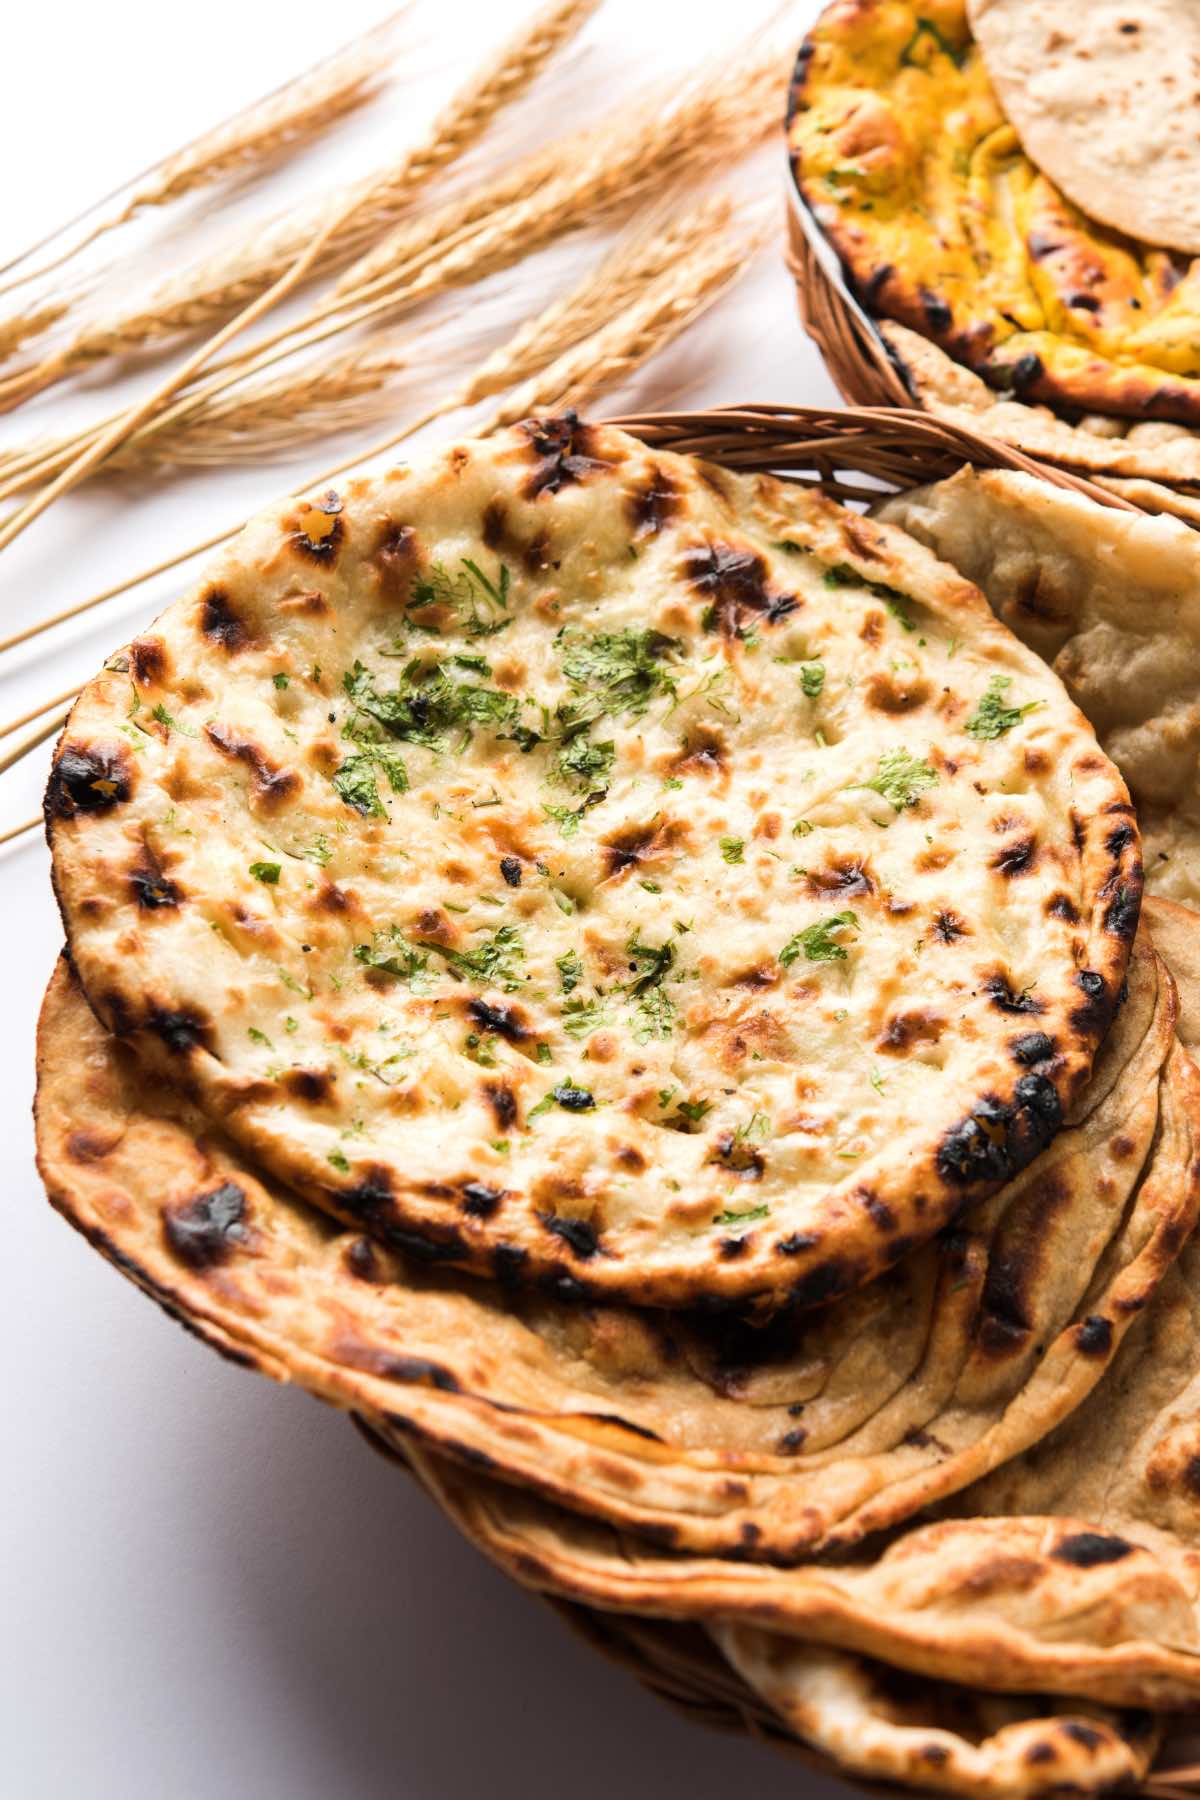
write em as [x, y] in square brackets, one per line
[853, 453]
[855, 351]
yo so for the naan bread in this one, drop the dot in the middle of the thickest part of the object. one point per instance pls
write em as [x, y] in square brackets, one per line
[1112, 601]
[1073, 1569]
[1106, 99]
[579, 864]
[709, 1435]
[911, 170]
[1117, 452]
[877, 1722]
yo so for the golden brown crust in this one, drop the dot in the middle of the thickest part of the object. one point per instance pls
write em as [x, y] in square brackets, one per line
[311, 867]
[904, 159]
[714, 1436]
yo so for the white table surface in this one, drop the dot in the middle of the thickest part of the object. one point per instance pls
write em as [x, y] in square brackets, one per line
[209, 1587]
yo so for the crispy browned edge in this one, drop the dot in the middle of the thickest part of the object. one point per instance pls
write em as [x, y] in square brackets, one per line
[1000, 1133]
[1100, 386]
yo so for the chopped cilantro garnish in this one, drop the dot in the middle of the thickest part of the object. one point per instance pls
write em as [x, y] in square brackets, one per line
[544, 1054]
[842, 575]
[495, 960]
[812, 678]
[477, 604]
[338, 1159]
[570, 818]
[802, 828]
[694, 1110]
[672, 781]
[901, 778]
[732, 849]
[992, 717]
[259, 1037]
[164, 718]
[585, 766]
[649, 963]
[742, 1216]
[570, 969]
[428, 704]
[290, 1024]
[877, 1081]
[392, 954]
[355, 781]
[817, 942]
[620, 671]
[581, 1017]
[929, 28]
[280, 681]
[266, 872]
[566, 1095]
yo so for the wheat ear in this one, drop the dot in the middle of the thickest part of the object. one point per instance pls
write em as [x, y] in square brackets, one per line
[229, 279]
[349, 390]
[259, 134]
[129, 422]
[608, 168]
[617, 350]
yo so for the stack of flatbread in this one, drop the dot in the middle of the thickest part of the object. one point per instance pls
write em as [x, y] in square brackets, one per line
[634, 980]
[1007, 190]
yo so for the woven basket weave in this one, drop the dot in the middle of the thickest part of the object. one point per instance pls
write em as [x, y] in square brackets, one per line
[853, 349]
[853, 453]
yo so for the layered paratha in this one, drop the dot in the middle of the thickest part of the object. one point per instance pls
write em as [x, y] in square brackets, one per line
[878, 1722]
[1072, 1569]
[1111, 600]
[716, 1435]
[578, 864]
[912, 171]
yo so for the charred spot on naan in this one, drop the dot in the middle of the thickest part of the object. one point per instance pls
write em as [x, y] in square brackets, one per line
[88, 779]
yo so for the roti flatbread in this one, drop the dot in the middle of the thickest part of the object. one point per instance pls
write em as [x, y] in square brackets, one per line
[587, 867]
[716, 1435]
[910, 169]
[879, 1723]
[1104, 97]
[1112, 601]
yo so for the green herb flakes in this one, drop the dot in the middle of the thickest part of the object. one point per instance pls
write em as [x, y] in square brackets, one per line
[818, 943]
[266, 872]
[992, 717]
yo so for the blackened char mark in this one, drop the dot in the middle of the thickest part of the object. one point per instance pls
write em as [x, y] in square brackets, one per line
[578, 1233]
[504, 1021]
[564, 452]
[1091, 1549]
[998, 1138]
[87, 781]
[207, 1230]
[732, 580]
[180, 1028]
[220, 624]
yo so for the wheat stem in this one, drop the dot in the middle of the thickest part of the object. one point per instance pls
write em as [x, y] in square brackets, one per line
[16, 831]
[35, 712]
[128, 422]
[227, 281]
[270, 127]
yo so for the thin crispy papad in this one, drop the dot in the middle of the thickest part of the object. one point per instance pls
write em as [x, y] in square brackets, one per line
[887, 1725]
[1111, 600]
[714, 1435]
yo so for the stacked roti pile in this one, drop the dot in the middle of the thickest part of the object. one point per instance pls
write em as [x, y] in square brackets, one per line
[1010, 187]
[634, 981]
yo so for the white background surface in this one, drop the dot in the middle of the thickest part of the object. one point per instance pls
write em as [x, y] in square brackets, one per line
[209, 1587]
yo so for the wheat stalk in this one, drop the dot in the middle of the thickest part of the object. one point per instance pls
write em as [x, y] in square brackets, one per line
[609, 167]
[127, 423]
[273, 127]
[269, 418]
[337, 394]
[258, 134]
[666, 316]
[617, 350]
[229, 279]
